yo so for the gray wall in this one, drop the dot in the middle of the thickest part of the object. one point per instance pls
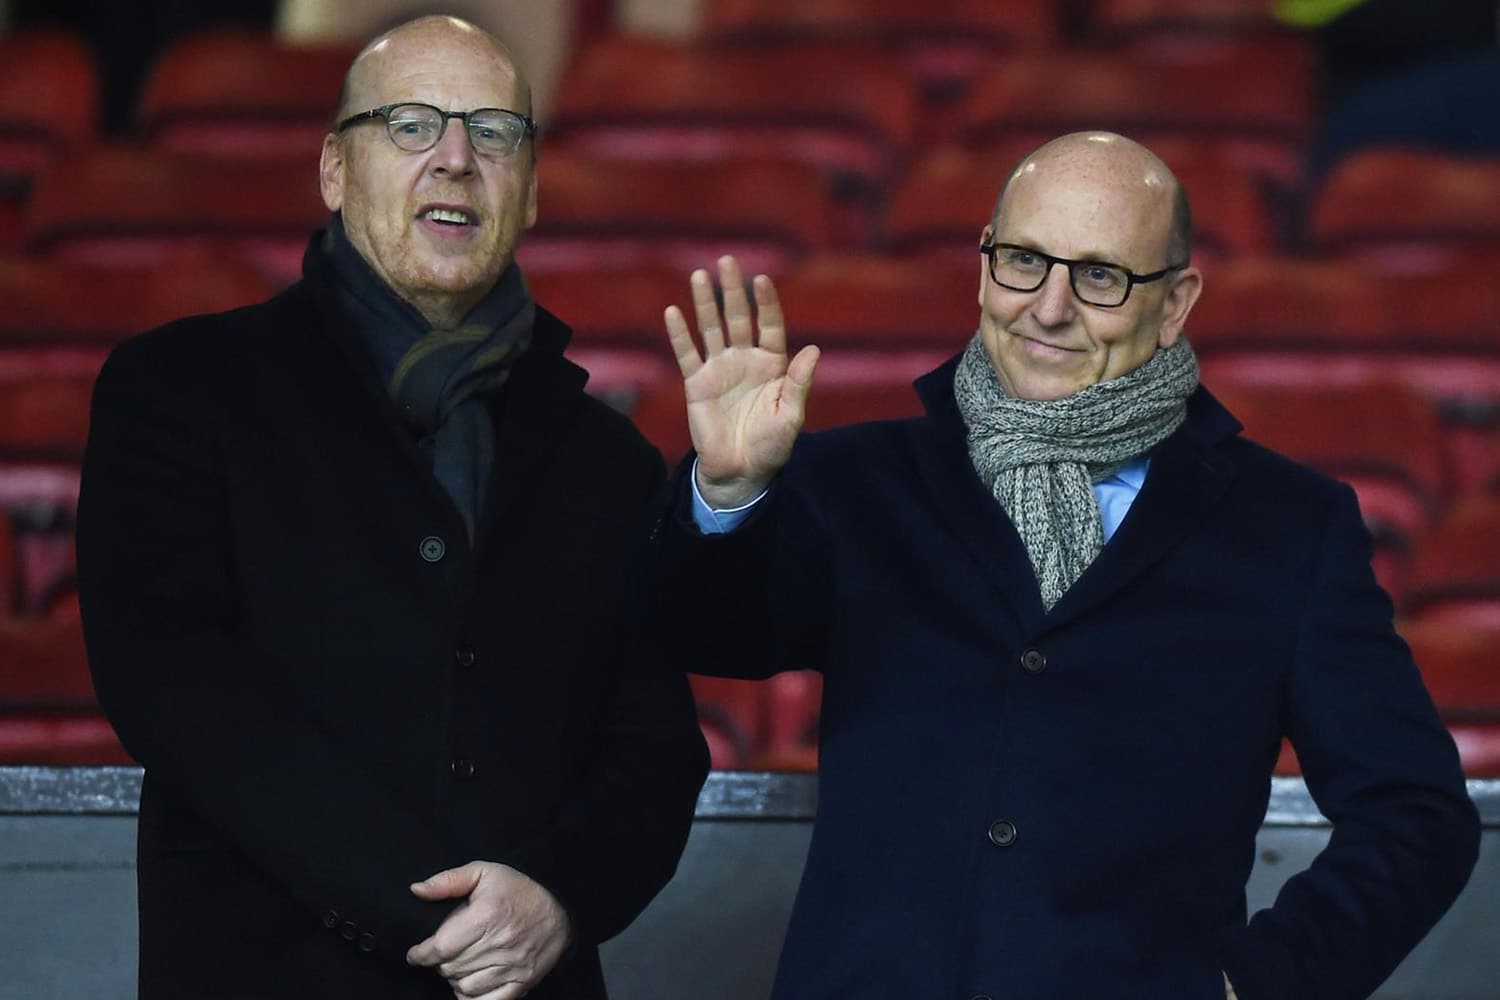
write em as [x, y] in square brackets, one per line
[67, 892]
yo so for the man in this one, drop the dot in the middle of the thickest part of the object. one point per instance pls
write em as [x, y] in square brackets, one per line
[1064, 620]
[353, 565]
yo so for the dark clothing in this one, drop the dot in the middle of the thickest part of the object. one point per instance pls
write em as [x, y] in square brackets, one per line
[332, 693]
[1016, 803]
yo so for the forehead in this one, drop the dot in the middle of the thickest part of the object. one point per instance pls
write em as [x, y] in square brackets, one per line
[451, 72]
[1088, 210]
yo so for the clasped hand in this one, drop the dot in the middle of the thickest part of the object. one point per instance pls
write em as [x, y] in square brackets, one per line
[745, 402]
[499, 943]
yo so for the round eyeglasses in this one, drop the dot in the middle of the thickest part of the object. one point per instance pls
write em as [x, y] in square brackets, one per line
[416, 128]
[1022, 269]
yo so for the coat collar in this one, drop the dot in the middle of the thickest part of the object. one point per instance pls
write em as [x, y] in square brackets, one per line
[1189, 473]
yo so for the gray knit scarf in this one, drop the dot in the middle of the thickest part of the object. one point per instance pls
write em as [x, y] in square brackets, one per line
[439, 379]
[1041, 458]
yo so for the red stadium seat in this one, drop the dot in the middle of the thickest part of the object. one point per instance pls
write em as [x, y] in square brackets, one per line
[793, 699]
[1455, 576]
[1478, 748]
[244, 94]
[881, 303]
[943, 44]
[49, 97]
[46, 416]
[732, 715]
[616, 304]
[46, 667]
[1392, 204]
[55, 303]
[10, 568]
[1460, 666]
[1383, 439]
[1255, 98]
[603, 215]
[59, 741]
[845, 110]
[1111, 20]
[939, 207]
[124, 208]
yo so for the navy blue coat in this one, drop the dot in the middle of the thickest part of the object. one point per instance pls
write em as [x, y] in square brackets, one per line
[1022, 804]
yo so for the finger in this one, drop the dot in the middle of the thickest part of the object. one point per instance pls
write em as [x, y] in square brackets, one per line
[799, 378]
[484, 981]
[710, 325]
[449, 884]
[736, 304]
[448, 943]
[688, 358]
[768, 314]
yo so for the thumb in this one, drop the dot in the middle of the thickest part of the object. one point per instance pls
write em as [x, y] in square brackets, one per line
[450, 884]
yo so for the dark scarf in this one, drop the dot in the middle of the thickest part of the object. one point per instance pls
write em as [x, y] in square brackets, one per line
[438, 378]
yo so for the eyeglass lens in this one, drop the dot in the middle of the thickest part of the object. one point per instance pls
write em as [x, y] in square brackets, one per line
[418, 127]
[1025, 271]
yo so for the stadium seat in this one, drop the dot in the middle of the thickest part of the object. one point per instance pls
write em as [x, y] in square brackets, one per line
[611, 304]
[45, 416]
[59, 741]
[845, 110]
[1383, 439]
[1256, 96]
[732, 716]
[49, 97]
[1460, 666]
[939, 207]
[793, 699]
[127, 208]
[46, 667]
[944, 44]
[244, 94]
[10, 568]
[57, 303]
[1393, 204]
[596, 214]
[865, 301]
[1478, 748]
[1172, 20]
[1455, 575]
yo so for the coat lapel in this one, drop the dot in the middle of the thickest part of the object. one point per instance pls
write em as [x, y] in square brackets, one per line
[1187, 478]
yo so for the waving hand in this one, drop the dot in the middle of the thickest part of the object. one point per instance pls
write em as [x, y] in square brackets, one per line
[745, 401]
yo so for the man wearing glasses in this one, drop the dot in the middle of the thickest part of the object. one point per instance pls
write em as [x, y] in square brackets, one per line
[353, 572]
[1064, 621]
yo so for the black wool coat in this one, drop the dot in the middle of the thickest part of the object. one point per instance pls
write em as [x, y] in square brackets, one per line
[333, 693]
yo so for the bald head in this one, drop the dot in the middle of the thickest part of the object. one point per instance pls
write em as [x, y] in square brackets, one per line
[1122, 164]
[376, 61]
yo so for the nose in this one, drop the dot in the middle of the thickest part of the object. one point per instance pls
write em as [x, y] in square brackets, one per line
[1053, 304]
[454, 153]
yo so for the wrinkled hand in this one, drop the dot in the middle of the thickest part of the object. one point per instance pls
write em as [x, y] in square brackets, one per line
[502, 941]
[745, 403]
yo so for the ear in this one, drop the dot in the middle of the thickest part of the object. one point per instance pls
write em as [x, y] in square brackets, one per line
[331, 173]
[1178, 303]
[985, 235]
[531, 197]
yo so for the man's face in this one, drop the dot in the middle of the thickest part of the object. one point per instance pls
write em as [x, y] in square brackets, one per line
[399, 208]
[1047, 344]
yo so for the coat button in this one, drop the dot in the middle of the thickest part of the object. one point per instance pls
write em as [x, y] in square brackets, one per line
[331, 919]
[1002, 833]
[348, 931]
[367, 942]
[432, 548]
[464, 657]
[462, 768]
[1033, 661]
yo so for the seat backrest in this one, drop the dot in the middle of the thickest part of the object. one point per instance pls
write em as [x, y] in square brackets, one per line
[1383, 203]
[49, 100]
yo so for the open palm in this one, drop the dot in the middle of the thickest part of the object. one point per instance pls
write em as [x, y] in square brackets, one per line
[745, 400]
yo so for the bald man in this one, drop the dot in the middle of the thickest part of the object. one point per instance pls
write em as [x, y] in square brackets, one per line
[1064, 621]
[353, 571]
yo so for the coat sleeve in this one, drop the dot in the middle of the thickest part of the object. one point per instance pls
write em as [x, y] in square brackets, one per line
[749, 603]
[189, 700]
[1381, 767]
[619, 840]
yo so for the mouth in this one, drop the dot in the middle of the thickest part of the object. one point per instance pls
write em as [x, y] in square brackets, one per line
[1043, 346]
[448, 216]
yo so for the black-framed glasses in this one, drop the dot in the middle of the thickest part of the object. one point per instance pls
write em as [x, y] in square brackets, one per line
[416, 128]
[1097, 282]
